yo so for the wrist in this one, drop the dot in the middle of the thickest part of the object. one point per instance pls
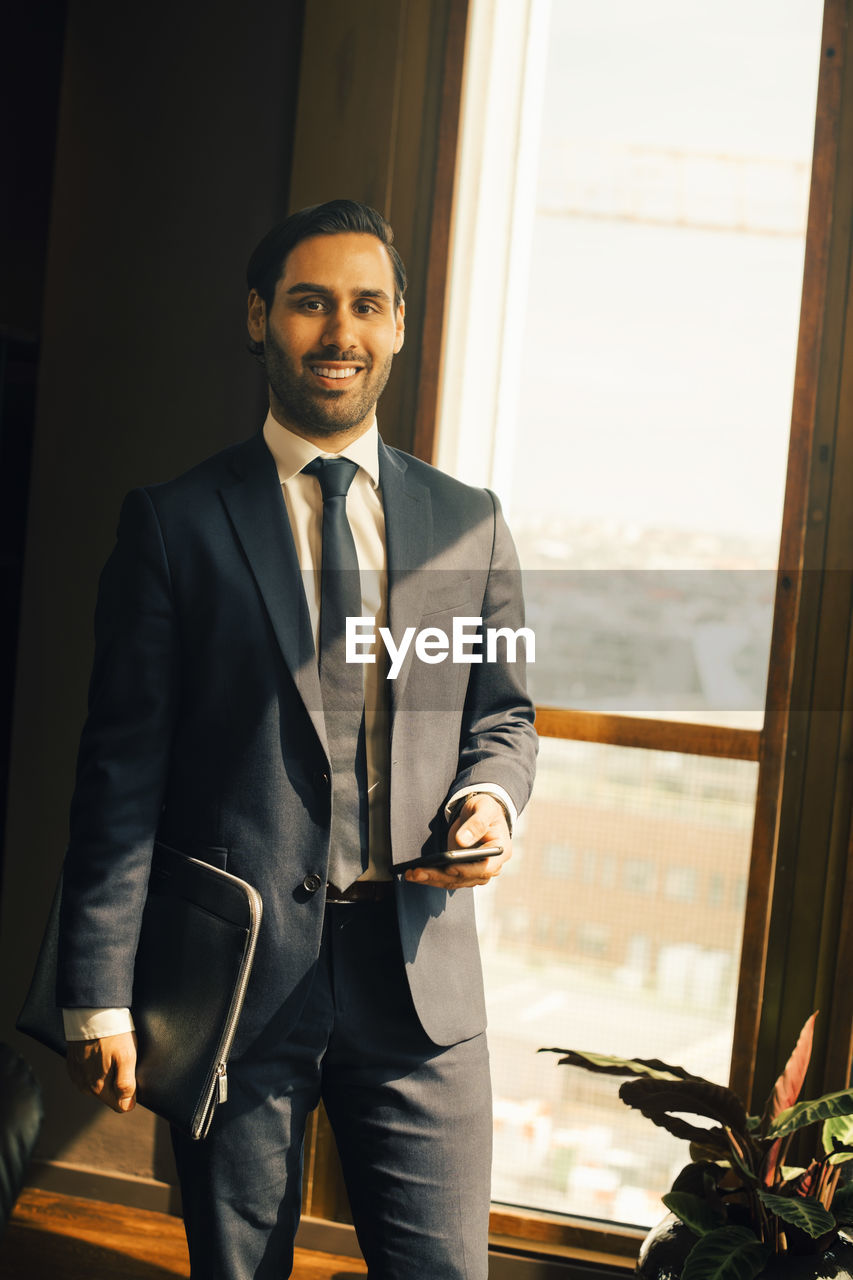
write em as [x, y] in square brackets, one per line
[455, 809]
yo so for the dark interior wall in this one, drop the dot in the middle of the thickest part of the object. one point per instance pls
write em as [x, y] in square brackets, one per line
[173, 157]
[395, 69]
[31, 43]
[31, 40]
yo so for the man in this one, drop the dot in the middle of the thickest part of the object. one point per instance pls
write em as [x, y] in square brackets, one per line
[224, 721]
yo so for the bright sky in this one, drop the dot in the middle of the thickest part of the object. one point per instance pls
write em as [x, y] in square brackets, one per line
[737, 75]
[658, 361]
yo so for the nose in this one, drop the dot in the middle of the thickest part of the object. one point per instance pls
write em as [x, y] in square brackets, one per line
[338, 330]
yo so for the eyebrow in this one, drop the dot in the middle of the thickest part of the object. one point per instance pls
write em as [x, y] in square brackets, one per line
[305, 286]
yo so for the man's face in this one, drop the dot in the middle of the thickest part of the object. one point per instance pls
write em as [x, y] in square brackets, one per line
[330, 335]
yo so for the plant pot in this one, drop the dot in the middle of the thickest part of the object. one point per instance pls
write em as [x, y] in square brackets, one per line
[665, 1248]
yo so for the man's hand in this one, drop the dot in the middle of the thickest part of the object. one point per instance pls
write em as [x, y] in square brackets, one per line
[107, 1068]
[481, 820]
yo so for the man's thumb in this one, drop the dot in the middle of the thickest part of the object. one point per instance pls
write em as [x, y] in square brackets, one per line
[125, 1087]
[471, 830]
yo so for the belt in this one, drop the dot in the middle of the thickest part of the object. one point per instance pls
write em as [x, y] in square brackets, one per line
[361, 891]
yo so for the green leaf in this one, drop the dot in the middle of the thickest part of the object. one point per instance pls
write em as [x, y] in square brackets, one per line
[736, 1155]
[699, 1178]
[830, 1106]
[713, 1148]
[804, 1212]
[837, 1133]
[605, 1064]
[842, 1205]
[696, 1213]
[662, 1102]
[771, 1162]
[729, 1253]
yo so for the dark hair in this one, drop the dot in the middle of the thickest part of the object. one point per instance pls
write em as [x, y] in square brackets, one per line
[335, 216]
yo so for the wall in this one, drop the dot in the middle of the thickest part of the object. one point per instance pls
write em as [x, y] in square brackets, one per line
[173, 158]
[31, 45]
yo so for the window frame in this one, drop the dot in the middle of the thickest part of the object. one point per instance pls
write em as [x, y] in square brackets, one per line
[804, 748]
[814, 534]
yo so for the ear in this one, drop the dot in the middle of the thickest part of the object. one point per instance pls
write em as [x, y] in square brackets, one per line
[257, 318]
[401, 327]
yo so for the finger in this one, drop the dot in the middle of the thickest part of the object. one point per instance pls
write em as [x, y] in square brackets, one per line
[109, 1095]
[481, 820]
[106, 1069]
[122, 1077]
[85, 1066]
[121, 1103]
[97, 1083]
[459, 877]
[123, 1088]
[434, 879]
[472, 830]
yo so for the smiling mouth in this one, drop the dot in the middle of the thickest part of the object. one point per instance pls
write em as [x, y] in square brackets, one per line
[338, 374]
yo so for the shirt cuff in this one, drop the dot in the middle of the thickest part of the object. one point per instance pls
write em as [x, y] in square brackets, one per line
[489, 789]
[93, 1024]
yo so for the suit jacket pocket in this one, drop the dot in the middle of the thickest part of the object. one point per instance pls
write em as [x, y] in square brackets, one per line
[213, 854]
[444, 595]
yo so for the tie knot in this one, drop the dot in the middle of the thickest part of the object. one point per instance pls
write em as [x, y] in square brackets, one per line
[335, 475]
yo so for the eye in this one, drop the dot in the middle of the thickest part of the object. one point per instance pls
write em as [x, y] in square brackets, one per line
[313, 305]
[365, 308]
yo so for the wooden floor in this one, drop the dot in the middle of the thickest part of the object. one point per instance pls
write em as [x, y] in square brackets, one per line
[53, 1237]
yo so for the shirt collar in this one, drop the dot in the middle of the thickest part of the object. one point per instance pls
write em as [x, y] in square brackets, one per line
[292, 454]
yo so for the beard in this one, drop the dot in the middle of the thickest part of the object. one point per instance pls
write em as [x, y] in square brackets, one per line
[317, 409]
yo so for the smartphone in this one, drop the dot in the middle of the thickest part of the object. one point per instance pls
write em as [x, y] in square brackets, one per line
[450, 858]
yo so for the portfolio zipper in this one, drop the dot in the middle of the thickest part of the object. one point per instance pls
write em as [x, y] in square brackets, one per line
[219, 1088]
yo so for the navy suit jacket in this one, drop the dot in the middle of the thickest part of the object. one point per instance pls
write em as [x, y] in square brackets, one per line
[205, 727]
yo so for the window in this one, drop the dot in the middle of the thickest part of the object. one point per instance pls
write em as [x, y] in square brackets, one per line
[680, 884]
[715, 889]
[640, 875]
[626, 285]
[558, 860]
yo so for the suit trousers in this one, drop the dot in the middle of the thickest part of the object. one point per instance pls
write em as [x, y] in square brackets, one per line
[412, 1122]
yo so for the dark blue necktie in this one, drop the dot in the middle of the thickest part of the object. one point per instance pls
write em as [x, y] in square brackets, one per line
[341, 682]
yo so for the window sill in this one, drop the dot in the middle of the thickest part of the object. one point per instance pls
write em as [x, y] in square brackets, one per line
[600, 1244]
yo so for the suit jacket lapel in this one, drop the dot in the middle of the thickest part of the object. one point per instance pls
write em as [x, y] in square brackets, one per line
[408, 545]
[255, 504]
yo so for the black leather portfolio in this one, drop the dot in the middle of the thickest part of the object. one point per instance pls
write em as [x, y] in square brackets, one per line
[195, 953]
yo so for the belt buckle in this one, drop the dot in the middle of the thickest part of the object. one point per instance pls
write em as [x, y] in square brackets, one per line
[360, 891]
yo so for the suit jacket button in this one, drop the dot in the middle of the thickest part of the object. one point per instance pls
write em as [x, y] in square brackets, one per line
[312, 883]
[322, 780]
